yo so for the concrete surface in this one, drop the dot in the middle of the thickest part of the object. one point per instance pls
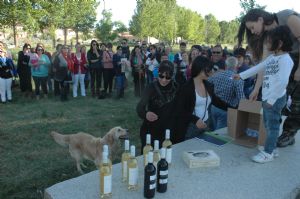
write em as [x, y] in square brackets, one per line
[236, 178]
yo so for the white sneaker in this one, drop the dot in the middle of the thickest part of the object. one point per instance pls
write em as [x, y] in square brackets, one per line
[263, 157]
[275, 151]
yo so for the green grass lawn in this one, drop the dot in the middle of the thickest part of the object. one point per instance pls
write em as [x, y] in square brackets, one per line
[30, 159]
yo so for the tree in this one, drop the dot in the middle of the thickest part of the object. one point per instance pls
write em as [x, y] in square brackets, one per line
[16, 12]
[247, 5]
[119, 26]
[154, 18]
[194, 29]
[212, 29]
[228, 31]
[85, 16]
[104, 29]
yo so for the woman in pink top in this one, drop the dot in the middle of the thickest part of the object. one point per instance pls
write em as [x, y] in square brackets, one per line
[108, 68]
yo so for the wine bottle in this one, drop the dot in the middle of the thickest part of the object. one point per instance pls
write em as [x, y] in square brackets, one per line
[105, 177]
[156, 155]
[150, 178]
[147, 148]
[105, 149]
[132, 171]
[125, 158]
[168, 145]
[162, 172]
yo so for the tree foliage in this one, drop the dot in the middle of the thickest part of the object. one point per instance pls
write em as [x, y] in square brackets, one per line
[212, 29]
[247, 5]
[16, 12]
[154, 18]
[228, 31]
[106, 29]
[38, 15]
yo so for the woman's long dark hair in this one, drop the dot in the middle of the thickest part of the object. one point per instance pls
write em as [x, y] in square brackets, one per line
[255, 42]
[91, 46]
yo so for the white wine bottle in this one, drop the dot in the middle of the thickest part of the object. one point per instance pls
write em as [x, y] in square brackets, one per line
[168, 145]
[162, 172]
[105, 177]
[150, 178]
[156, 154]
[147, 148]
[133, 171]
[125, 158]
[105, 149]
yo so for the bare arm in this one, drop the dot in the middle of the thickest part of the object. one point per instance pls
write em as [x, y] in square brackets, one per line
[260, 75]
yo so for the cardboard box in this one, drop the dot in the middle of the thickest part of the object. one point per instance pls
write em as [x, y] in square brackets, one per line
[248, 115]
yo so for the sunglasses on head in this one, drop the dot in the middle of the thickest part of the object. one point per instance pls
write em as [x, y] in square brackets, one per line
[216, 52]
[164, 76]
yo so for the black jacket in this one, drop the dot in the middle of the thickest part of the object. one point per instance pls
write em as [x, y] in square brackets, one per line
[6, 68]
[185, 104]
[162, 104]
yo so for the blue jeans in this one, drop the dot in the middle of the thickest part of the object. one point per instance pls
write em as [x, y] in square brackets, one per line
[218, 117]
[120, 81]
[272, 118]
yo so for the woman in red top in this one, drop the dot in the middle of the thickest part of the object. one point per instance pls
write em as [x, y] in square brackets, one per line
[80, 66]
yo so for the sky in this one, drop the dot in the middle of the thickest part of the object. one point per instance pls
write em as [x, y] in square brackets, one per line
[223, 10]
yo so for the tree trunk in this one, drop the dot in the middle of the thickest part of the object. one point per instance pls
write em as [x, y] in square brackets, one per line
[53, 42]
[77, 37]
[65, 36]
[15, 34]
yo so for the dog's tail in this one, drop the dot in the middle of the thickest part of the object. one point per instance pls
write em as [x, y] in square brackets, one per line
[60, 139]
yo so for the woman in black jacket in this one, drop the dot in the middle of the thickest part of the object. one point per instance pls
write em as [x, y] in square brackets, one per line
[193, 100]
[24, 70]
[157, 104]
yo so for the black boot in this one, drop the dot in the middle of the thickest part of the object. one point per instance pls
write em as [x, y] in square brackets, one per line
[285, 139]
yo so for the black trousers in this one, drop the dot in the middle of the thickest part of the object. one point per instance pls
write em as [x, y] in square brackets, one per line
[292, 123]
[108, 79]
[96, 79]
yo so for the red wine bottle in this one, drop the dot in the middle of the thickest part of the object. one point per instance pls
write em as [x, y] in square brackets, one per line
[162, 172]
[150, 178]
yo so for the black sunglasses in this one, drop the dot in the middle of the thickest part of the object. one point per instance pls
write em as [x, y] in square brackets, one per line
[216, 52]
[164, 76]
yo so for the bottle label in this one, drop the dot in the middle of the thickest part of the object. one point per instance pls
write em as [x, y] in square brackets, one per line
[125, 169]
[107, 184]
[169, 155]
[133, 176]
[152, 186]
[163, 173]
[152, 178]
[163, 181]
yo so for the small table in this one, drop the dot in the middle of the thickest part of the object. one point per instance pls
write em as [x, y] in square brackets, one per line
[237, 177]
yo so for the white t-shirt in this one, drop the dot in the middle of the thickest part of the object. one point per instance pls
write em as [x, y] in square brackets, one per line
[277, 69]
[201, 106]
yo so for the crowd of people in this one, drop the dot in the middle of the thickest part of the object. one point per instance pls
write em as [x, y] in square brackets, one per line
[189, 91]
